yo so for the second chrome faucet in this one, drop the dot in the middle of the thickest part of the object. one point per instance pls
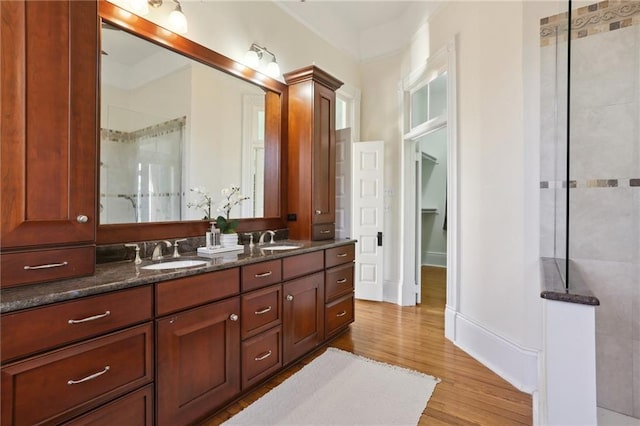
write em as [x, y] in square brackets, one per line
[157, 251]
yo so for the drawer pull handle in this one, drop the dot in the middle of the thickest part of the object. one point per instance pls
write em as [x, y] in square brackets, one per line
[264, 274]
[342, 255]
[233, 317]
[341, 314]
[50, 265]
[263, 311]
[325, 231]
[89, 377]
[93, 318]
[263, 356]
[341, 281]
[289, 297]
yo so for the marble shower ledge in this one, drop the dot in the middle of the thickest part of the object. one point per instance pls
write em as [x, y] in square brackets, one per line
[553, 286]
[121, 275]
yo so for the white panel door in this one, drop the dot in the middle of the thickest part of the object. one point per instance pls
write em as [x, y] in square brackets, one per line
[343, 183]
[368, 220]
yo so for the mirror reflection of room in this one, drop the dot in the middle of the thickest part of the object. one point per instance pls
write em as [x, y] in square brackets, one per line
[172, 128]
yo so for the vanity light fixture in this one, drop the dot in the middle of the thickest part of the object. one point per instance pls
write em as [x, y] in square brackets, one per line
[177, 20]
[254, 55]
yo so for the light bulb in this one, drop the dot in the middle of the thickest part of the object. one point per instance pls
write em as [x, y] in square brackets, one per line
[273, 69]
[139, 7]
[251, 59]
[178, 21]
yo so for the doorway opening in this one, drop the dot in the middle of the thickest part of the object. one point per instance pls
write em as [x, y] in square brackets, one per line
[430, 180]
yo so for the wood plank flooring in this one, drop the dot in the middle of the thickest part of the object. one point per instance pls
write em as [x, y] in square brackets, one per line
[413, 337]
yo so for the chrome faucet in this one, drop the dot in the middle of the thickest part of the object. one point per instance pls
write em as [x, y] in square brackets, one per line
[157, 251]
[272, 233]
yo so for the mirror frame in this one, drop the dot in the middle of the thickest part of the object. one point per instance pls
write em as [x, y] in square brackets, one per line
[276, 96]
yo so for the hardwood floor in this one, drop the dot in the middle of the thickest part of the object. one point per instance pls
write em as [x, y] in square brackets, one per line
[413, 337]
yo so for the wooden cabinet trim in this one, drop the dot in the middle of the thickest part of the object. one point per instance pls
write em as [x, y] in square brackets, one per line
[22, 332]
[184, 293]
[260, 310]
[127, 353]
[302, 264]
[338, 281]
[339, 255]
[135, 408]
[258, 275]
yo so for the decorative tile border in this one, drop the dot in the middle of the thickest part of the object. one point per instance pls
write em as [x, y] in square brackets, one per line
[135, 196]
[591, 183]
[156, 130]
[608, 15]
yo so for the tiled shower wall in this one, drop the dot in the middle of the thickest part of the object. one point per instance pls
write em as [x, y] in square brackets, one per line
[604, 186]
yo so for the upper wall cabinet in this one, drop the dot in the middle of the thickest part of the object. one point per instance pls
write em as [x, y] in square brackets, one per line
[48, 93]
[312, 156]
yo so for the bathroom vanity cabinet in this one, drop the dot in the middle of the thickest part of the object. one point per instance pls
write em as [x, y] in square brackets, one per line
[67, 359]
[174, 351]
[198, 350]
[49, 133]
[312, 156]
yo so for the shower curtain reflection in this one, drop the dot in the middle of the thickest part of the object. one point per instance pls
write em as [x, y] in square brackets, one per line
[141, 172]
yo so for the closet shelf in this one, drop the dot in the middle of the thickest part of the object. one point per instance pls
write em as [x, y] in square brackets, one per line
[429, 210]
[428, 157]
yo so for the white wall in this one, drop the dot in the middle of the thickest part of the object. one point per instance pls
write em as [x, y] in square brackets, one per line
[499, 285]
[229, 28]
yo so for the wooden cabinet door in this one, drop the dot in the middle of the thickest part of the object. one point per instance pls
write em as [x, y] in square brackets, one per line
[198, 361]
[303, 314]
[48, 88]
[324, 155]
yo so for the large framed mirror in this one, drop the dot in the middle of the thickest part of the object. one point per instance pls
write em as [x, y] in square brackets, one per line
[180, 122]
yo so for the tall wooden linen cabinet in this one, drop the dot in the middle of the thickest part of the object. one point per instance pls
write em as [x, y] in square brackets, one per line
[312, 157]
[49, 132]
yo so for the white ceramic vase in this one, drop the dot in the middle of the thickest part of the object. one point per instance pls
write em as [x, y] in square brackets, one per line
[228, 240]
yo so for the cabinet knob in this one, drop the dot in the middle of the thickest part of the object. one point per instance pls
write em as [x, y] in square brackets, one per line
[233, 317]
[289, 297]
[82, 218]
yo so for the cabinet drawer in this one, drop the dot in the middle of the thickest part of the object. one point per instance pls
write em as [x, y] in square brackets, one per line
[338, 281]
[175, 295]
[261, 274]
[302, 264]
[325, 231]
[261, 310]
[261, 356]
[135, 408]
[61, 384]
[35, 330]
[339, 255]
[338, 314]
[46, 265]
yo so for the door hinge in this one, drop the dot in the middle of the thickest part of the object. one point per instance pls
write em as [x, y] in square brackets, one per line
[379, 239]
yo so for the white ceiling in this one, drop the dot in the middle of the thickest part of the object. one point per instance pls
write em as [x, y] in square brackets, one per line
[362, 28]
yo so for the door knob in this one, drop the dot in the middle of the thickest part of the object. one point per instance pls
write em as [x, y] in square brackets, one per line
[289, 297]
[82, 218]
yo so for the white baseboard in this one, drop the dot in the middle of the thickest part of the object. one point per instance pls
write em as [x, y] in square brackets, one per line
[517, 365]
[433, 258]
[449, 323]
[391, 292]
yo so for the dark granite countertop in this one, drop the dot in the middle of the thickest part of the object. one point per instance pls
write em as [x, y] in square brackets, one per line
[553, 287]
[122, 275]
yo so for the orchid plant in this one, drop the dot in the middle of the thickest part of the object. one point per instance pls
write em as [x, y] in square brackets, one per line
[203, 203]
[231, 198]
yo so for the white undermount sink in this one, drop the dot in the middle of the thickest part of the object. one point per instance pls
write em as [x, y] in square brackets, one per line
[279, 247]
[175, 264]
